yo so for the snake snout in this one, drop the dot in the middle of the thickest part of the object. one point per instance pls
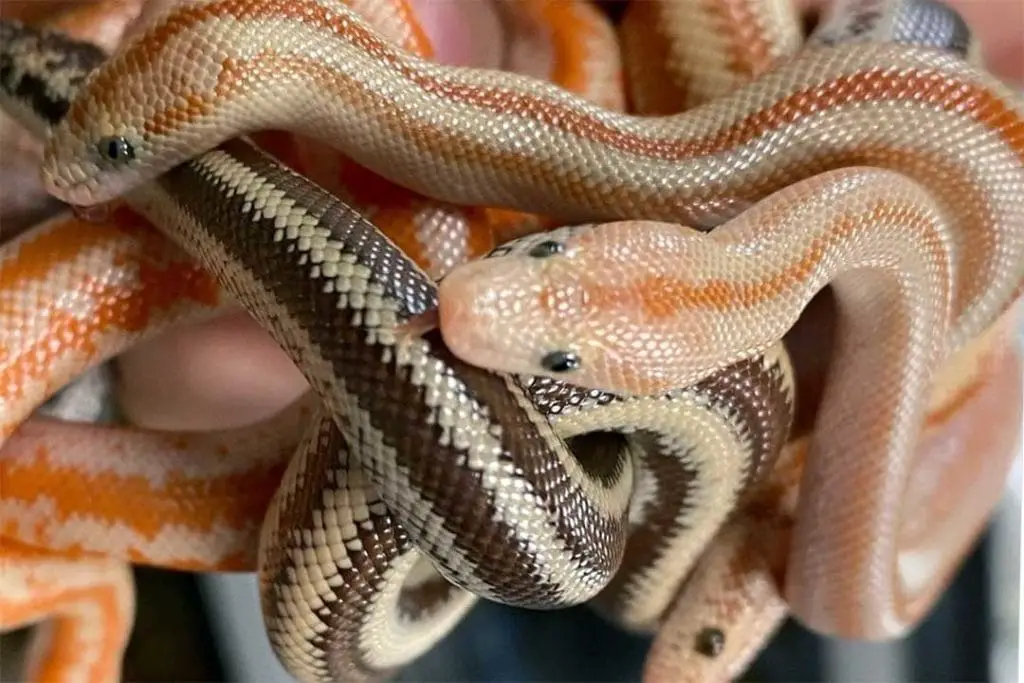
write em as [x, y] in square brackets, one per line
[464, 323]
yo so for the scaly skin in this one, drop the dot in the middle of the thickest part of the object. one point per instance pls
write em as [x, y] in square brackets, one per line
[717, 589]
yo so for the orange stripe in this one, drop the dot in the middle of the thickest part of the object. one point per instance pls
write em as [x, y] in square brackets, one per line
[198, 503]
[861, 87]
[38, 255]
[436, 144]
[660, 298]
[69, 644]
[398, 222]
[414, 38]
[166, 273]
[858, 88]
[957, 401]
[990, 349]
[71, 637]
[188, 107]
[750, 53]
[647, 42]
[165, 280]
[573, 33]
[383, 15]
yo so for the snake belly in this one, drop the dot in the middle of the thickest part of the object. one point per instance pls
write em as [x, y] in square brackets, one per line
[470, 463]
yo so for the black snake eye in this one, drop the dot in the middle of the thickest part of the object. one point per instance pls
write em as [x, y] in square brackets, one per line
[546, 248]
[710, 642]
[560, 361]
[116, 148]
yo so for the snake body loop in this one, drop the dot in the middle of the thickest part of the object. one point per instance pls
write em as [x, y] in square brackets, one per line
[483, 438]
[425, 481]
[918, 275]
[480, 480]
[458, 134]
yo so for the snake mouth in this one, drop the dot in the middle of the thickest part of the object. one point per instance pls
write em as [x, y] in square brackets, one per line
[61, 185]
[454, 319]
[83, 182]
[94, 213]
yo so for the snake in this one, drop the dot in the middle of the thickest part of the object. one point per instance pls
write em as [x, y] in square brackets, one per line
[803, 133]
[164, 207]
[483, 483]
[683, 302]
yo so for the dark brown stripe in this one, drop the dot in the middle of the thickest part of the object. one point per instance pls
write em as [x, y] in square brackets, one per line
[326, 458]
[55, 58]
[397, 408]
[756, 400]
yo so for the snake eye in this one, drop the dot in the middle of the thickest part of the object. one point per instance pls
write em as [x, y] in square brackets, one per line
[710, 642]
[561, 361]
[116, 148]
[546, 248]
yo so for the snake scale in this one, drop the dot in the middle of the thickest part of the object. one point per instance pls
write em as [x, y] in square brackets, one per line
[496, 480]
[515, 461]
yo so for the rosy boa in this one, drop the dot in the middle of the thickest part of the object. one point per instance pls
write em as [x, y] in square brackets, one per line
[926, 274]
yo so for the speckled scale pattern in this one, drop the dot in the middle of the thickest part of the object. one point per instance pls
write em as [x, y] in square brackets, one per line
[569, 545]
[361, 554]
[920, 22]
[40, 68]
[596, 178]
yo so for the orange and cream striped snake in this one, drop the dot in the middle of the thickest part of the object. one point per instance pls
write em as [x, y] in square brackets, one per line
[743, 562]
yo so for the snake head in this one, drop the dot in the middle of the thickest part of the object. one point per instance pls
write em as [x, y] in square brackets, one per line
[139, 114]
[88, 167]
[570, 304]
[97, 150]
[509, 311]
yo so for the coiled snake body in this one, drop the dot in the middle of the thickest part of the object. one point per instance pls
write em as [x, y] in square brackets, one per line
[418, 461]
[480, 482]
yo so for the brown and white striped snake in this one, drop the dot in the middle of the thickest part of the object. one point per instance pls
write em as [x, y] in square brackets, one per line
[479, 481]
[505, 511]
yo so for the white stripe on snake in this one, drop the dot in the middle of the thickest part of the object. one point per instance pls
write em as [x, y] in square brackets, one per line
[477, 478]
[701, 166]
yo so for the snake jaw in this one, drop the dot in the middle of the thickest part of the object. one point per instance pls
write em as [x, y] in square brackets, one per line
[96, 213]
[77, 175]
[59, 181]
[418, 325]
[517, 311]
